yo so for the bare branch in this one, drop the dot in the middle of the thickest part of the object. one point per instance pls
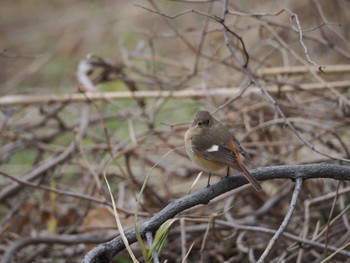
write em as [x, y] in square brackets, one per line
[105, 252]
[10, 100]
[282, 228]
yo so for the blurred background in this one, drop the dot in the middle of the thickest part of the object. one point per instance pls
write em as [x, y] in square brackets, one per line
[296, 51]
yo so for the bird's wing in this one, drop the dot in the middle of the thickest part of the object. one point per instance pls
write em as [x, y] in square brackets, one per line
[227, 155]
[220, 154]
[230, 157]
[240, 148]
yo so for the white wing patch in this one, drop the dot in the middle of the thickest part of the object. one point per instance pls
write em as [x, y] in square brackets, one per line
[213, 148]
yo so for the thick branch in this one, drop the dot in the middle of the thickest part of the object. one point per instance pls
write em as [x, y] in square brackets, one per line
[105, 252]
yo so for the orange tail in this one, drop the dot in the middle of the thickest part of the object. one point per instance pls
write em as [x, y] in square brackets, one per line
[251, 178]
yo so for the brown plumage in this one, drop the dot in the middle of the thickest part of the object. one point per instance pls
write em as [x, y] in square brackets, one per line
[212, 147]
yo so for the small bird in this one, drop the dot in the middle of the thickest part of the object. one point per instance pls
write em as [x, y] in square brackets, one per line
[213, 148]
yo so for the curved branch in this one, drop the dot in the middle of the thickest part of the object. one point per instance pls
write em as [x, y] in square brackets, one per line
[106, 251]
[282, 228]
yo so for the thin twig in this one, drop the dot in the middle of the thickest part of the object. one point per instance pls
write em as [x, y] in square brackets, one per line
[330, 216]
[149, 239]
[11, 189]
[293, 129]
[57, 191]
[288, 216]
[61, 239]
[294, 70]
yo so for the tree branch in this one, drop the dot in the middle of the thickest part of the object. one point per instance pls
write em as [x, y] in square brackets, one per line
[42, 99]
[106, 251]
[283, 226]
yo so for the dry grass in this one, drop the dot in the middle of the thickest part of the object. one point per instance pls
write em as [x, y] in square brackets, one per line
[290, 105]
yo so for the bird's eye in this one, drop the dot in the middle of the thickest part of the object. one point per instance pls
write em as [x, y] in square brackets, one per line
[203, 122]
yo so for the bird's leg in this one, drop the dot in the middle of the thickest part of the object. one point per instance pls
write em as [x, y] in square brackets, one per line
[209, 179]
[228, 171]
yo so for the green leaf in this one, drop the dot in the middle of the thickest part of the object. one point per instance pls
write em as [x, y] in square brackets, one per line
[160, 237]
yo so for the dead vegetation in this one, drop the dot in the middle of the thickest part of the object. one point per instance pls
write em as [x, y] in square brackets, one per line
[277, 74]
